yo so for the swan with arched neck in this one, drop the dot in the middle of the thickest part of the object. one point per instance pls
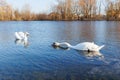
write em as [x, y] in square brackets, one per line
[21, 35]
[85, 46]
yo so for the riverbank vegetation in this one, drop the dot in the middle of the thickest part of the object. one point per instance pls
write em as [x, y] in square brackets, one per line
[65, 10]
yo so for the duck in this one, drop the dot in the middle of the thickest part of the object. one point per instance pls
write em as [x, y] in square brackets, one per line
[84, 46]
[21, 35]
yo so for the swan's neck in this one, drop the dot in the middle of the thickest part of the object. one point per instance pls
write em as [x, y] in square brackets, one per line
[68, 45]
[25, 38]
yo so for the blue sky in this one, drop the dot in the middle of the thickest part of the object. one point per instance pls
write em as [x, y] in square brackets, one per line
[35, 5]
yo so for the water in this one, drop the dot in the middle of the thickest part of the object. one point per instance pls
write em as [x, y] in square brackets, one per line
[38, 60]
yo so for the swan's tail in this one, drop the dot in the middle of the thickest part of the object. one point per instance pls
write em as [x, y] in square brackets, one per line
[101, 47]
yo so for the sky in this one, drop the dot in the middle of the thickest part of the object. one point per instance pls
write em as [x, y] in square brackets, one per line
[35, 5]
[39, 6]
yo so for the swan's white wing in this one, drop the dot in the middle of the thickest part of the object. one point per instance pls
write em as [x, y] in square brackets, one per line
[84, 46]
[21, 34]
[17, 35]
[87, 46]
[93, 47]
[81, 46]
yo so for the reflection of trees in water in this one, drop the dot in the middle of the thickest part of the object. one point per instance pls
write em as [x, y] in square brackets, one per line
[87, 31]
[65, 32]
[113, 31]
[76, 31]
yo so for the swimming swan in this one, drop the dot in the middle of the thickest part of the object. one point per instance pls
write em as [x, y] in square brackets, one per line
[21, 35]
[86, 46]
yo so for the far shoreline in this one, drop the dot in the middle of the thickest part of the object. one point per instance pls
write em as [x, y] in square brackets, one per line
[55, 20]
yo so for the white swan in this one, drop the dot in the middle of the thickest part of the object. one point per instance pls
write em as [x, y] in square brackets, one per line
[21, 35]
[86, 46]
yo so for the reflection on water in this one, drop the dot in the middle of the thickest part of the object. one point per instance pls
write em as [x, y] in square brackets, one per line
[92, 54]
[87, 54]
[40, 61]
[22, 42]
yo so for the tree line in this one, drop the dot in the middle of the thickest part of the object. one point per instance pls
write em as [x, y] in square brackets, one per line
[66, 10]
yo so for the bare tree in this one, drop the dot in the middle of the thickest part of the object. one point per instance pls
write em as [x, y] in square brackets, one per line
[26, 13]
[5, 11]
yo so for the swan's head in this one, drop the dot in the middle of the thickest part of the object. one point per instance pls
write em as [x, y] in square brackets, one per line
[27, 34]
[63, 45]
[56, 44]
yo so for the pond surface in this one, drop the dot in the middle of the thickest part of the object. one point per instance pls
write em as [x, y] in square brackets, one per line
[38, 60]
